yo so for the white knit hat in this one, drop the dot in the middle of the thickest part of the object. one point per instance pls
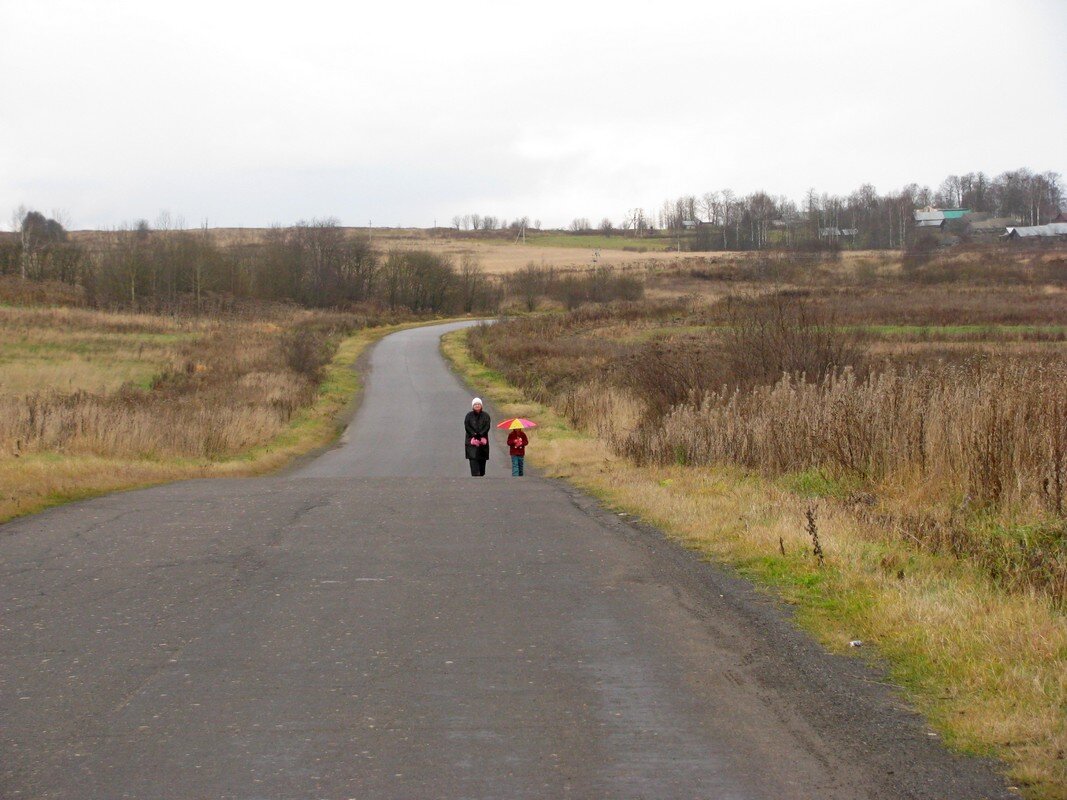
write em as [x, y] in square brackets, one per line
[477, 401]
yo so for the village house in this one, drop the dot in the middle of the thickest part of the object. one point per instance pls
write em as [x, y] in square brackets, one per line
[931, 217]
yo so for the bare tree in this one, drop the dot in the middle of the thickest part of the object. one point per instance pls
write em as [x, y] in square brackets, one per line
[637, 221]
[471, 283]
[950, 194]
[709, 206]
[728, 215]
[18, 217]
[530, 284]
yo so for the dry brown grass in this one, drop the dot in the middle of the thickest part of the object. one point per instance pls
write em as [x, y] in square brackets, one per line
[939, 306]
[70, 350]
[960, 271]
[15, 291]
[502, 258]
[993, 434]
[968, 461]
[209, 397]
[198, 395]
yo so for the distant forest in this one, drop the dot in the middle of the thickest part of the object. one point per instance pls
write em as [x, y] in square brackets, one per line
[316, 264]
[724, 220]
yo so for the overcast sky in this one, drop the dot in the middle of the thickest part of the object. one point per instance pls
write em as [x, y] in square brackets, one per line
[400, 113]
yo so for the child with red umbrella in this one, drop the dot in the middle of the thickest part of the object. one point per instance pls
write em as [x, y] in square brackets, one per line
[517, 441]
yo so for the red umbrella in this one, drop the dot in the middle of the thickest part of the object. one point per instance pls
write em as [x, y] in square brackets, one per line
[517, 423]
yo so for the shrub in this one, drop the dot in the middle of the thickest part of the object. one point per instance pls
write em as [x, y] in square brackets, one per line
[785, 334]
[307, 352]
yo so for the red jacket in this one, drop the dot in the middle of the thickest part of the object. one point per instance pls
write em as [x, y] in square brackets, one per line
[517, 441]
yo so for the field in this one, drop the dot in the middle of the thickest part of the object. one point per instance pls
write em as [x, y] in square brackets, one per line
[94, 401]
[883, 445]
[497, 254]
[38, 352]
[601, 242]
[502, 255]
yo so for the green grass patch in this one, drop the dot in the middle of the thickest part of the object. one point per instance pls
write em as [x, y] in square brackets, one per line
[961, 331]
[40, 359]
[601, 242]
[818, 483]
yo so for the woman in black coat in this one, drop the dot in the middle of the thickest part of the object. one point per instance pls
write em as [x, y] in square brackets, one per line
[476, 437]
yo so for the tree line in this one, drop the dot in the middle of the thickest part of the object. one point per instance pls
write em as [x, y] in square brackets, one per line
[488, 222]
[725, 220]
[315, 264]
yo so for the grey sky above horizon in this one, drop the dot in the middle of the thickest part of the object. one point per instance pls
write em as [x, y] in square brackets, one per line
[247, 114]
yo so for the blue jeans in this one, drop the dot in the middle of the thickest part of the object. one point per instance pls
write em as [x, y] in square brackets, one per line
[516, 466]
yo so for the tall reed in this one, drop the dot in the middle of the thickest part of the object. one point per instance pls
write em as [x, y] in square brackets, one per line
[994, 434]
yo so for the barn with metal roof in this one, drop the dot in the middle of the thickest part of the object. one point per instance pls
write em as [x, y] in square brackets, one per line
[1053, 230]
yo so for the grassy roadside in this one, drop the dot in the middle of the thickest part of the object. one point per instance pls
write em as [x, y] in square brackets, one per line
[989, 669]
[37, 481]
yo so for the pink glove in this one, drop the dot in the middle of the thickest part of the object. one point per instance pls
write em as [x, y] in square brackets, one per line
[474, 441]
[484, 440]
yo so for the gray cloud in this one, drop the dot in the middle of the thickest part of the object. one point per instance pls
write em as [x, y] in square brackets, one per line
[249, 113]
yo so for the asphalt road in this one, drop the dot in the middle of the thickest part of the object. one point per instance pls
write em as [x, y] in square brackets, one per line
[378, 624]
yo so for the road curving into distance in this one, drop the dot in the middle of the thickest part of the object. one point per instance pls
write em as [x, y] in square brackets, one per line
[378, 624]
